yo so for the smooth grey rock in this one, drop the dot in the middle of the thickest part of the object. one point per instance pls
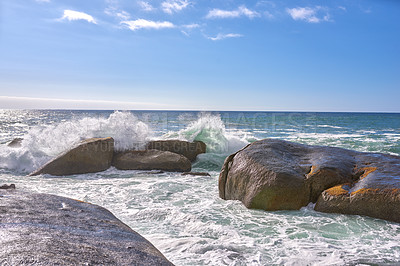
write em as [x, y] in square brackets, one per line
[42, 229]
[188, 149]
[274, 174]
[151, 160]
[89, 156]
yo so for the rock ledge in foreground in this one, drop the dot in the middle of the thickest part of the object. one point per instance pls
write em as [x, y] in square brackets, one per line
[44, 229]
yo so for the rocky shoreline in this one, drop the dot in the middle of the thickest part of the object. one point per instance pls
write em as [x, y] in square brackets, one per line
[270, 174]
[98, 154]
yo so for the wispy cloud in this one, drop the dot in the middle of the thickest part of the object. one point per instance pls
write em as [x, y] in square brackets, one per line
[120, 14]
[147, 24]
[114, 10]
[43, 1]
[307, 14]
[146, 6]
[171, 6]
[222, 36]
[191, 26]
[186, 29]
[76, 15]
[240, 11]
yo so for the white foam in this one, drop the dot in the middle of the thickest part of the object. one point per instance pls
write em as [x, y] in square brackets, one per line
[211, 130]
[329, 126]
[44, 142]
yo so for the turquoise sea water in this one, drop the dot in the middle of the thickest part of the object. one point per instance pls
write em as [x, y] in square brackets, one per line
[183, 216]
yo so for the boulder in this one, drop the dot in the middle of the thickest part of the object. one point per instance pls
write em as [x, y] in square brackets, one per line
[42, 229]
[375, 193]
[188, 149]
[15, 143]
[151, 160]
[274, 174]
[89, 156]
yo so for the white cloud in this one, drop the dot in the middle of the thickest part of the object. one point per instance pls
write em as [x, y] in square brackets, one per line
[342, 8]
[43, 1]
[307, 14]
[221, 36]
[146, 6]
[120, 14]
[76, 15]
[147, 24]
[240, 11]
[171, 6]
[188, 28]
[191, 26]
[113, 10]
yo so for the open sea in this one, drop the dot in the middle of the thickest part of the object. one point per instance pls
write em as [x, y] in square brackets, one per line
[183, 216]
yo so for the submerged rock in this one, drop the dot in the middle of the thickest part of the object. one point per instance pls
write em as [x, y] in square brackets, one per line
[44, 229]
[188, 149]
[89, 156]
[12, 186]
[196, 174]
[151, 160]
[15, 143]
[279, 175]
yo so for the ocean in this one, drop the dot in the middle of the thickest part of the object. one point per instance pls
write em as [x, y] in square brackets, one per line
[183, 216]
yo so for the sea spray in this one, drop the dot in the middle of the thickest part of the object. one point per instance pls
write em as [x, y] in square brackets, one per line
[41, 143]
[211, 130]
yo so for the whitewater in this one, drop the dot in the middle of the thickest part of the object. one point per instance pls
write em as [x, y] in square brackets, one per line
[183, 216]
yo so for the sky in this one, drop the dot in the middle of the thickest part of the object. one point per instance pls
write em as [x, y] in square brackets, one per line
[295, 55]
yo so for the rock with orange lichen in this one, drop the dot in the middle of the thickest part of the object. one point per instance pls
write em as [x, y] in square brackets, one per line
[279, 175]
[376, 192]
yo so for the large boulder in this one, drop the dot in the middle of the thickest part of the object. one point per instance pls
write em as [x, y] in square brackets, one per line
[279, 175]
[188, 149]
[42, 229]
[89, 156]
[151, 160]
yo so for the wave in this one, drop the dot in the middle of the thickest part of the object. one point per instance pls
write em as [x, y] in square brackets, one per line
[44, 142]
[211, 130]
[329, 126]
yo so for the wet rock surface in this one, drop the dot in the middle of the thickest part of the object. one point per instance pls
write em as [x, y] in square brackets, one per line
[151, 160]
[196, 174]
[42, 229]
[89, 156]
[274, 174]
[188, 149]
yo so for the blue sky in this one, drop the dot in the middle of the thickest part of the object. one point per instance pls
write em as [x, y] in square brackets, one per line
[201, 55]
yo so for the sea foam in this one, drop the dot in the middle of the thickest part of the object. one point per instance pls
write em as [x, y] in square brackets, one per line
[41, 143]
[211, 130]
